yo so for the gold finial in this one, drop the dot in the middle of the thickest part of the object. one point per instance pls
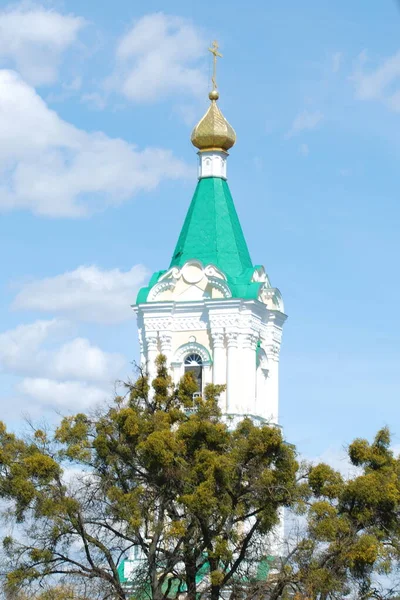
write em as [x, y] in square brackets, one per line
[213, 132]
[214, 51]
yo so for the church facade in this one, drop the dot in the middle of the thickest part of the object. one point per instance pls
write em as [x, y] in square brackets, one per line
[213, 311]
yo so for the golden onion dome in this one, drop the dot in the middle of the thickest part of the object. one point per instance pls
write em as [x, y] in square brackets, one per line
[213, 132]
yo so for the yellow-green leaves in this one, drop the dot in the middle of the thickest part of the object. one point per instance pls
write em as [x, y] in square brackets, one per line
[199, 498]
[73, 434]
[41, 466]
[217, 577]
[325, 481]
[352, 523]
[325, 524]
[363, 552]
[372, 456]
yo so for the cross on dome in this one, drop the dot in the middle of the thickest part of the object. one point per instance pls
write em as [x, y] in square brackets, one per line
[214, 51]
[213, 132]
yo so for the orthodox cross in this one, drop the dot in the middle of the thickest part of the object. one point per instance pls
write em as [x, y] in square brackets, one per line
[215, 53]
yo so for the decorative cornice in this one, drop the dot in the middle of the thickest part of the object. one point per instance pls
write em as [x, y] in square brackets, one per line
[175, 324]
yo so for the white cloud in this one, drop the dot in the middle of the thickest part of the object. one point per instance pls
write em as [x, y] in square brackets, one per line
[339, 460]
[337, 59]
[79, 359]
[68, 89]
[33, 38]
[19, 346]
[94, 100]
[87, 294]
[382, 83]
[74, 395]
[305, 120]
[53, 168]
[157, 57]
[30, 350]
[304, 149]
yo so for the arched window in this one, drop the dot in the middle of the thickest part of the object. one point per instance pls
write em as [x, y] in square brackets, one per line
[194, 364]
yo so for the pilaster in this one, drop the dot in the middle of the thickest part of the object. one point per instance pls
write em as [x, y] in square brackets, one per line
[152, 353]
[249, 344]
[166, 345]
[233, 370]
[219, 362]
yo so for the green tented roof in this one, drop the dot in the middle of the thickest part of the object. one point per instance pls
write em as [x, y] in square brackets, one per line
[211, 232]
[212, 235]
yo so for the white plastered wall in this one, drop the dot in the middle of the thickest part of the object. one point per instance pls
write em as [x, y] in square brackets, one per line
[229, 331]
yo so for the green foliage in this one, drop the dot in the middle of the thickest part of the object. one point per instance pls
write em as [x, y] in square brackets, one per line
[161, 469]
[59, 592]
[353, 532]
[325, 481]
[158, 470]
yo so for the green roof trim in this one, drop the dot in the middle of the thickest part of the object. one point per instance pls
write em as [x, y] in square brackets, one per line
[241, 287]
[264, 568]
[211, 232]
[144, 291]
[121, 571]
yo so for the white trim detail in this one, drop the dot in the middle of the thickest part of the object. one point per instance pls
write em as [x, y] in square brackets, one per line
[212, 163]
[160, 287]
[220, 285]
[193, 281]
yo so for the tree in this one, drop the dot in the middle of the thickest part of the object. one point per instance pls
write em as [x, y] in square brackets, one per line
[350, 545]
[161, 471]
[59, 592]
[166, 473]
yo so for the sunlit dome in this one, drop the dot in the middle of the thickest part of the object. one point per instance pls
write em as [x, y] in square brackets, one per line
[213, 132]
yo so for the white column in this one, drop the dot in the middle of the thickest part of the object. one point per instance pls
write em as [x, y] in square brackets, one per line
[263, 405]
[219, 363]
[207, 374]
[177, 372]
[232, 377]
[152, 353]
[141, 347]
[272, 383]
[166, 346]
[249, 343]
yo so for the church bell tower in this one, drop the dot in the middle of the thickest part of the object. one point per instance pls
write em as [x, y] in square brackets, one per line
[212, 311]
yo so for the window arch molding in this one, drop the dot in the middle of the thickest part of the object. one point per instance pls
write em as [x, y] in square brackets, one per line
[192, 348]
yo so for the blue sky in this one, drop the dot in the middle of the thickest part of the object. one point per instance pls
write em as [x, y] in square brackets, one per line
[97, 101]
